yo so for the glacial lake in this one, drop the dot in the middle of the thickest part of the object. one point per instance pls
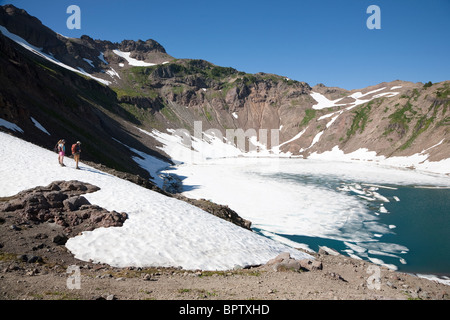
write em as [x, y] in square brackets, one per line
[394, 217]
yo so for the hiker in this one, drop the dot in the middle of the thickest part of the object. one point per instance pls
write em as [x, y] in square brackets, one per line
[76, 150]
[61, 149]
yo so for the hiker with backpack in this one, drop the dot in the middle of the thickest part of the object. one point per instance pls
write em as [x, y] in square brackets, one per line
[76, 150]
[61, 150]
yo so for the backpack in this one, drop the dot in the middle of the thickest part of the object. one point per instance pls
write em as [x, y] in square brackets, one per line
[74, 148]
[58, 148]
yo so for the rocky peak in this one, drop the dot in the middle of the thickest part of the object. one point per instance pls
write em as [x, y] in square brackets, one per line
[141, 46]
[80, 53]
[19, 22]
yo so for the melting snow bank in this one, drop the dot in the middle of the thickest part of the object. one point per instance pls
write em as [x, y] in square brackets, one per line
[443, 280]
[417, 161]
[159, 231]
[132, 61]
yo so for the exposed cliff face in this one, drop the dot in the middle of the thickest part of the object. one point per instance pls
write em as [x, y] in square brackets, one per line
[146, 88]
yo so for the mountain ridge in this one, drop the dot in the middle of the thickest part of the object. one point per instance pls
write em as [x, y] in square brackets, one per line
[143, 87]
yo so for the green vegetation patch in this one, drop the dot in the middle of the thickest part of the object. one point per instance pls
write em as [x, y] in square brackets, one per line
[360, 119]
[400, 119]
[443, 92]
[169, 114]
[428, 84]
[141, 74]
[207, 114]
[309, 115]
[178, 89]
[422, 125]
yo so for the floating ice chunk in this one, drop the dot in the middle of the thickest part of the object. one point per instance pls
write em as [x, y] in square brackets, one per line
[366, 198]
[354, 256]
[286, 241]
[381, 263]
[379, 186]
[330, 251]
[355, 247]
[376, 260]
[380, 197]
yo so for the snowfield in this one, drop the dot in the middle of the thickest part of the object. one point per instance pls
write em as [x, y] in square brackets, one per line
[160, 231]
[132, 61]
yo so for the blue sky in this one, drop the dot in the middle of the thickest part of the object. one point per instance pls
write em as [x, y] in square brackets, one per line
[321, 41]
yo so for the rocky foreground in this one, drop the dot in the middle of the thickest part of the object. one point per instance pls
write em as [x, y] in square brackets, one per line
[34, 263]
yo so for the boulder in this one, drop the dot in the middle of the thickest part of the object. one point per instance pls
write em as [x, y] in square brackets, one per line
[60, 239]
[74, 203]
[55, 199]
[61, 202]
[316, 265]
[280, 258]
[284, 262]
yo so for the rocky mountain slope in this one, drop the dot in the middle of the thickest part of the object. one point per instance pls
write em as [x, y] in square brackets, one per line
[119, 88]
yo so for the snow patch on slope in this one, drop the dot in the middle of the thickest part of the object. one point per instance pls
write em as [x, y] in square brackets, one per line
[10, 125]
[39, 126]
[132, 61]
[159, 231]
[39, 52]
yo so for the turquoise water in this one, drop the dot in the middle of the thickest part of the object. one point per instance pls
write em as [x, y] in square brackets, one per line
[419, 217]
[422, 217]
